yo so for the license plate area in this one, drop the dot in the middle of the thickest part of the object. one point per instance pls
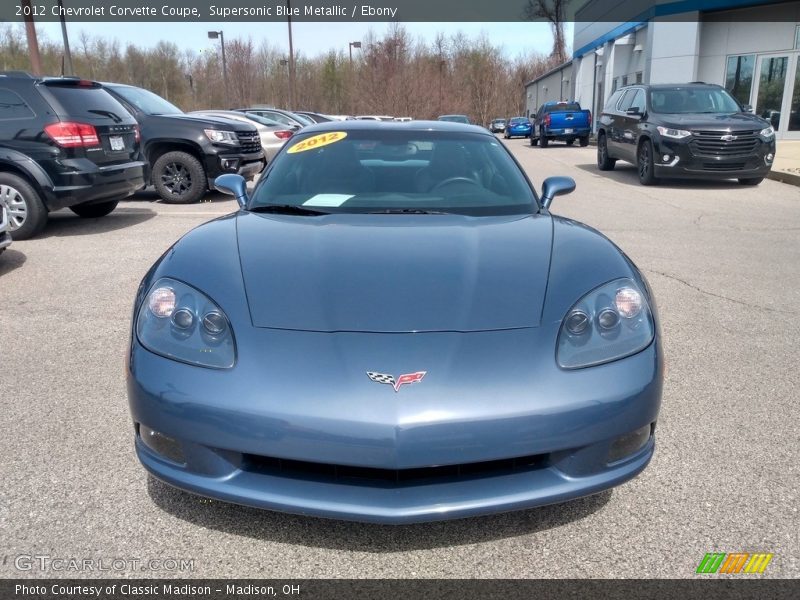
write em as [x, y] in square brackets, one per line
[117, 143]
[568, 130]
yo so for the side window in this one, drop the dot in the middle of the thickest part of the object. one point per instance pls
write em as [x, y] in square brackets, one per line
[626, 101]
[13, 107]
[638, 100]
[612, 102]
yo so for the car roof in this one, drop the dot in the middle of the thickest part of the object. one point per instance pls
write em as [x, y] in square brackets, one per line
[356, 125]
[672, 86]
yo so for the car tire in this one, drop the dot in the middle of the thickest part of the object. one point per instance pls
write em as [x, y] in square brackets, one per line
[584, 141]
[543, 141]
[570, 142]
[645, 163]
[179, 178]
[94, 211]
[27, 214]
[750, 180]
[604, 161]
[534, 141]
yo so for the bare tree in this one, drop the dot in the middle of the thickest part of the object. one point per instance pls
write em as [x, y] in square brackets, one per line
[551, 11]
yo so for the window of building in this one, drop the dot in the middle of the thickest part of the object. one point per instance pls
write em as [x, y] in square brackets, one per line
[624, 80]
[614, 84]
[797, 38]
[13, 107]
[638, 77]
[739, 76]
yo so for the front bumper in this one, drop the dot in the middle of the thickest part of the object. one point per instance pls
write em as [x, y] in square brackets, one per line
[246, 165]
[675, 158]
[265, 435]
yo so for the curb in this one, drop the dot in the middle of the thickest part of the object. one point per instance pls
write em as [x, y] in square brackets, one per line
[784, 177]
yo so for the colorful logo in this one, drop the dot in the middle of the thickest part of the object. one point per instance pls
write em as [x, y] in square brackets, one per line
[405, 379]
[735, 562]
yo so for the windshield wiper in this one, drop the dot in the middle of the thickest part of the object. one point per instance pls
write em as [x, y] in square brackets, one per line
[106, 113]
[408, 211]
[288, 209]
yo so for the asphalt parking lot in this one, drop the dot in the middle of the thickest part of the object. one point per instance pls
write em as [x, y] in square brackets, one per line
[724, 263]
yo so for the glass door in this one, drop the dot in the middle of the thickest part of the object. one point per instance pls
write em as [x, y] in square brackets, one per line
[793, 120]
[771, 75]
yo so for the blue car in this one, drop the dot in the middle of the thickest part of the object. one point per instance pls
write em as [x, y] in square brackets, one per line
[518, 127]
[394, 328]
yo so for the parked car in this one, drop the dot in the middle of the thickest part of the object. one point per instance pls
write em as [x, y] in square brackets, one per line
[316, 117]
[497, 126]
[374, 118]
[565, 121]
[455, 119]
[402, 119]
[5, 235]
[518, 127]
[64, 143]
[342, 353]
[684, 130]
[184, 152]
[273, 135]
[292, 120]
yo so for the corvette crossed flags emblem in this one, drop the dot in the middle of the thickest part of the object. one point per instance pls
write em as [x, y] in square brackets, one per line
[404, 379]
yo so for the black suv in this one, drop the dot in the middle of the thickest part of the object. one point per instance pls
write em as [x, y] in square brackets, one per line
[686, 130]
[186, 152]
[64, 142]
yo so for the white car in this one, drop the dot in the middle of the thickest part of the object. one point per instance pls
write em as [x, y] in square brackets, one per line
[5, 236]
[273, 135]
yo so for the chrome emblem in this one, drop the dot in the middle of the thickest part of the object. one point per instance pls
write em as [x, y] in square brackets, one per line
[728, 137]
[402, 380]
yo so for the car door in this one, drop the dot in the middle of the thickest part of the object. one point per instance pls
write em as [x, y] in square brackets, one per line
[629, 123]
[617, 143]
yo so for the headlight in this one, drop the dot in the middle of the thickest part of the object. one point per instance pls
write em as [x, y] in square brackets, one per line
[767, 132]
[673, 133]
[181, 323]
[609, 323]
[222, 137]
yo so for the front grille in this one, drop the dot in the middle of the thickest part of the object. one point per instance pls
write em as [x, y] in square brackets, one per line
[250, 142]
[710, 143]
[298, 469]
[712, 166]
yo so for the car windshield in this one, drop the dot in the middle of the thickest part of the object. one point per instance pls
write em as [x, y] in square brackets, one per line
[692, 100]
[261, 120]
[367, 171]
[454, 118]
[146, 101]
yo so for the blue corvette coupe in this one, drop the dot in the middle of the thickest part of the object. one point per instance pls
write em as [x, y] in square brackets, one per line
[518, 127]
[394, 328]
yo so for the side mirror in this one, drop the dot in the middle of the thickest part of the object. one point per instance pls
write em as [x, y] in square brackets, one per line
[634, 111]
[748, 108]
[233, 185]
[556, 186]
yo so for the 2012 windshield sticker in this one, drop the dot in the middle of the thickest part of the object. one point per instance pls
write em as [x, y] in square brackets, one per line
[317, 141]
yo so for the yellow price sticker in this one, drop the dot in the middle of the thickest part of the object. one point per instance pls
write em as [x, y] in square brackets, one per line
[317, 141]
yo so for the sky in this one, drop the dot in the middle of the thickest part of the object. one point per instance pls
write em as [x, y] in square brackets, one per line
[310, 39]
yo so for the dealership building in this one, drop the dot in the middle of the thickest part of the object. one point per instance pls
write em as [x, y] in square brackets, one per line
[750, 47]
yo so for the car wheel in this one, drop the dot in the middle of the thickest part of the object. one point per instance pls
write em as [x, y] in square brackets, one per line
[534, 141]
[750, 180]
[94, 211]
[27, 214]
[584, 141]
[543, 141]
[570, 142]
[179, 178]
[644, 163]
[604, 162]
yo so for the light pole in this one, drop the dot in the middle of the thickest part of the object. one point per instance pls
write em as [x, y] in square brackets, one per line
[68, 70]
[291, 55]
[30, 34]
[212, 35]
[352, 45]
[285, 63]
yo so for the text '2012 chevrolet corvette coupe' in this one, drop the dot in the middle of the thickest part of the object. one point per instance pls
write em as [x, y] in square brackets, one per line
[394, 328]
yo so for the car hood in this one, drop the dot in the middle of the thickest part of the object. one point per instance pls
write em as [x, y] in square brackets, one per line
[394, 273]
[716, 122]
[215, 122]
